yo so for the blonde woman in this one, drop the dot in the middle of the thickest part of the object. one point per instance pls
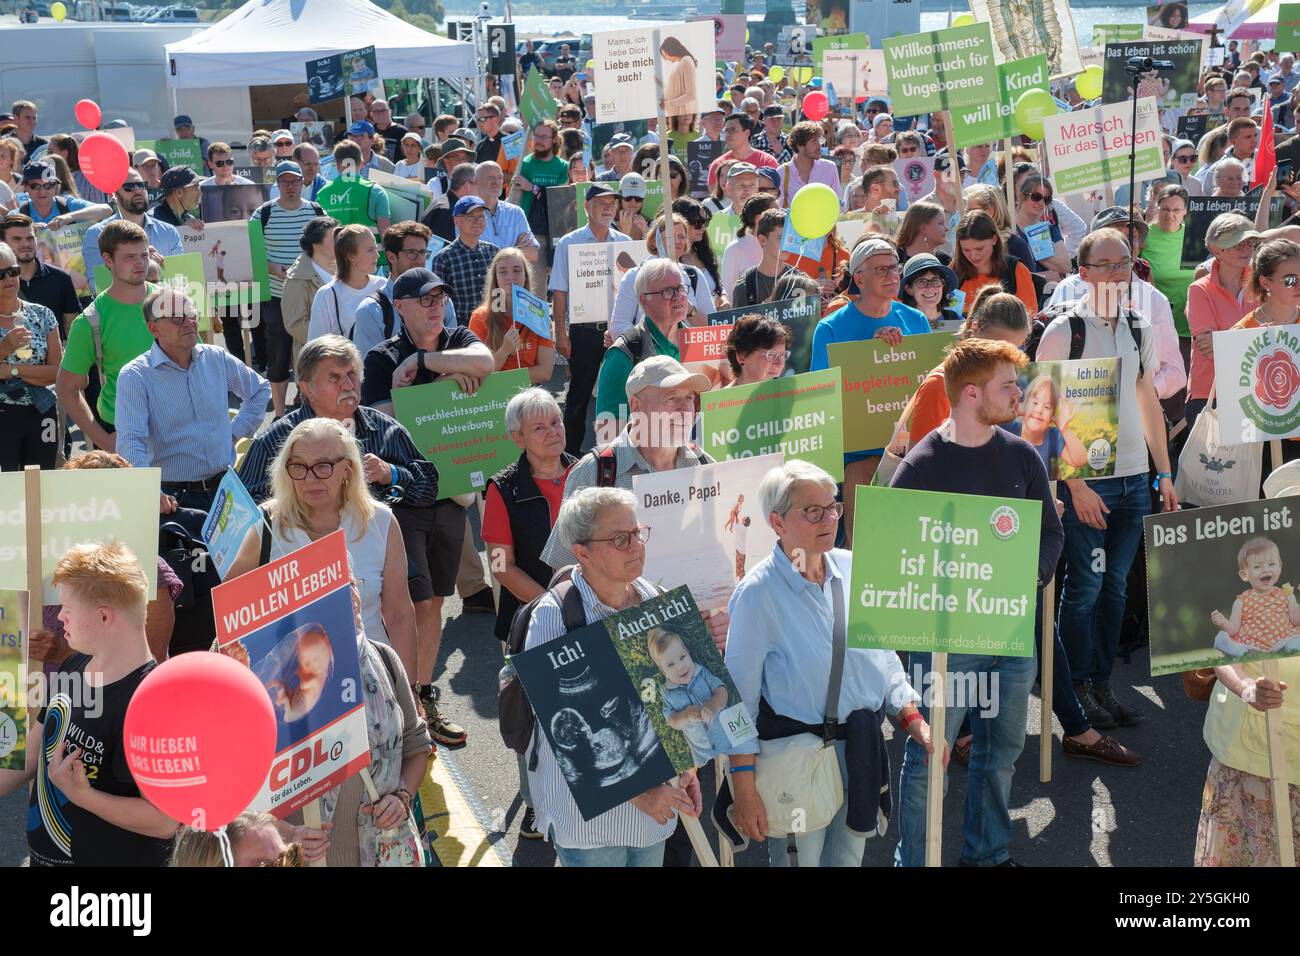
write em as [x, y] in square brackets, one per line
[255, 840]
[512, 345]
[11, 159]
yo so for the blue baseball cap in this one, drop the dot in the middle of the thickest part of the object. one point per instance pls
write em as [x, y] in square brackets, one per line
[182, 120]
[287, 167]
[467, 204]
[362, 128]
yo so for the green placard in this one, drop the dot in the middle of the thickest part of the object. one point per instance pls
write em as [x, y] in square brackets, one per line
[13, 679]
[934, 571]
[176, 152]
[536, 102]
[996, 119]
[941, 70]
[799, 415]
[186, 273]
[463, 435]
[1288, 27]
[721, 230]
[1103, 33]
[654, 200]
[842, 41]
[879, 379]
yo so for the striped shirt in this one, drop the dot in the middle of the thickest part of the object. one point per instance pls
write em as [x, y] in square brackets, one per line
[553, 802]
[376, 433]
[283, 230]
[628, 464]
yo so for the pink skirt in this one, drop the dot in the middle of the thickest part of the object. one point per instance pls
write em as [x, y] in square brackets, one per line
[1236, 826]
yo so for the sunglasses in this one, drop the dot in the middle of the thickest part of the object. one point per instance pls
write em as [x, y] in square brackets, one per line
[1038, 197]
[13, 272]
[42, 187]
[1289, 280]
[223, 163]
[133, 187]
[1185, 158]
[181, 319]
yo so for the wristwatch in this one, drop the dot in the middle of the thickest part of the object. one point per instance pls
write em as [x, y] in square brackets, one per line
[13, 371]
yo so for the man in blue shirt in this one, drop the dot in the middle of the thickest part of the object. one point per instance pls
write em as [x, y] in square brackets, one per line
[173, 410]
[507, 224]
[132, 199]
[875, 313]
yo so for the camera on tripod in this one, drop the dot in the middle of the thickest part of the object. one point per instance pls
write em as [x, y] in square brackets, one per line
[1137, 65]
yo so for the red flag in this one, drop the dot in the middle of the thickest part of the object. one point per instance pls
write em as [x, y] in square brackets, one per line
[1266, 155]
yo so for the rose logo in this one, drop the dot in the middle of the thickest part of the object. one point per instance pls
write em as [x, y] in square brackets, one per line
[1005, 522]
[1276, 380]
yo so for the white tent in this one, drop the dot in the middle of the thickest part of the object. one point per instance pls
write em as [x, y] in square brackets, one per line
[268, 42]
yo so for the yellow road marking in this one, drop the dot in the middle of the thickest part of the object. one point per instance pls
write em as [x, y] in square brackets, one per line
[458, 839]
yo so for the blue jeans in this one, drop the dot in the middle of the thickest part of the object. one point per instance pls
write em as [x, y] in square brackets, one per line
[1097, 563]
[832, 845]
[998, 741]
[610, 856]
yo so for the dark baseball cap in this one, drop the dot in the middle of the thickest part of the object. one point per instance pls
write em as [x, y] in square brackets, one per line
[621, 139]
[1117, 217]
[178, 177]
[941, 161]
[39, 172]
[596, 190]
[182, 120]
[414, 283]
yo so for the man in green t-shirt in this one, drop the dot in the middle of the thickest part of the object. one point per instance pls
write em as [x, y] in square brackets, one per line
[122, 332]
[350, 198]
[540, 168]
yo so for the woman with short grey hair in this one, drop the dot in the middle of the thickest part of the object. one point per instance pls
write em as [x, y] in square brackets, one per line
[600, 526]
[787, 638]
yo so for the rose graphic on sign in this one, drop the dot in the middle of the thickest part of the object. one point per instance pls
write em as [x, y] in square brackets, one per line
[1005, 522]
[1269, 377]
[1276, 380]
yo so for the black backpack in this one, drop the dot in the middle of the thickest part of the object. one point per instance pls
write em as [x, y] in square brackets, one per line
[264, 211]
[1078, 332]
[194, 627]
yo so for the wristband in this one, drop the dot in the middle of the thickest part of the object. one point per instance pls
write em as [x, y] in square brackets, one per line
[744, 768]
[419, 360]
[392, 475]
[903, 722]
[1155, 485]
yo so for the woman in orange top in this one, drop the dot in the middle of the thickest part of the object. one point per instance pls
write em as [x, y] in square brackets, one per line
[512, 345]
[982, 259]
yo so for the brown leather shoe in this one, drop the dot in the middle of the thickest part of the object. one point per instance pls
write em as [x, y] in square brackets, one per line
[1107, 750]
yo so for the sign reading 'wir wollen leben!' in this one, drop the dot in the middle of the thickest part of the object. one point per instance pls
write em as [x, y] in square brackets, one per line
[941, 70]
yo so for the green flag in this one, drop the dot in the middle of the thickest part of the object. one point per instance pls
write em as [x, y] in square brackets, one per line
[536, 102]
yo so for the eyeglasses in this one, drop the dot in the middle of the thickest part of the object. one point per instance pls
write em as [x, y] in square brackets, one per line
[927, 282]
[42, 187]
[321, 469]
[1185, 158]
[1038, 197]
[477, 216]
[11, 272]
[884, 272]
[182, 319]
[433, 299]
[623, 539]
[133, 187]
[415, 253]
[223, 163]
[484, 117]
[671, 293]
[1122, 265]
[816, 514]
[775, 356]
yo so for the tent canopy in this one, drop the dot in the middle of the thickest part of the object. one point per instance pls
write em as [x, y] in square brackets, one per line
[268, 42]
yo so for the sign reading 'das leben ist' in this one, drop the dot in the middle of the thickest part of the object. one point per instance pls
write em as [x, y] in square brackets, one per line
[941, 572]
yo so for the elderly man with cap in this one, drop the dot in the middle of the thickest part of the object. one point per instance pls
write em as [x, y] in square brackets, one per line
[424, 350]
[181, 198]
[583, 344]
[151, 168]
[741, 183]
[282, 142]
[132, 205]
[465, 260]
[47, 208]
[769, 137]
[711, 123]
[874, 314]
[455, 152]
[184, 127]
[621, 150]
[737, 132]
[631, 202]
[506, 224]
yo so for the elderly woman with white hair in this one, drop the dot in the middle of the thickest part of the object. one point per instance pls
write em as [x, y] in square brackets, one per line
[786, 653]
[600, 526]
[1229, 178]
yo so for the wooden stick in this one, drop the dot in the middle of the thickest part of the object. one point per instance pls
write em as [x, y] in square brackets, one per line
[1275, 453]
[35, 566]
[311, 818]
[934, 791]
[1278, 776]
[955, 173]
[726, 855]
[1011, 178]
[699, 841]
[1045, 684]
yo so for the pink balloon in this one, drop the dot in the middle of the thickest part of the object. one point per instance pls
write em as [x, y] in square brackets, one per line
[104, 161]
[88, 113]
[815, 105]
[200, 736]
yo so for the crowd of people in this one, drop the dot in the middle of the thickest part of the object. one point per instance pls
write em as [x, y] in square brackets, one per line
[361, 305]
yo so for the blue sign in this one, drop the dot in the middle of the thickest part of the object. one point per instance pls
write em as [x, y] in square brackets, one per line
[532, 312]
[232, 514]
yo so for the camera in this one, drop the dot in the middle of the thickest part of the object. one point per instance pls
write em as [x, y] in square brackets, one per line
[1137, 65]
[484, 11]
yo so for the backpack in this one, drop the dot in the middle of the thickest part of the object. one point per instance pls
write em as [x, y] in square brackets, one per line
[264, 211]
[1078, 332]
[751, 284]
[390, 319]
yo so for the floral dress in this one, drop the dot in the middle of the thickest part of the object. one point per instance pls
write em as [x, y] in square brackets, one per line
[15, 391]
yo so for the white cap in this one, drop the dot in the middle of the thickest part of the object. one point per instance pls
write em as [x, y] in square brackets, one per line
[664, 371]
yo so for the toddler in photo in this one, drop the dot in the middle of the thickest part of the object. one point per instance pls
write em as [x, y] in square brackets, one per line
[692, 696]
[1265, 617]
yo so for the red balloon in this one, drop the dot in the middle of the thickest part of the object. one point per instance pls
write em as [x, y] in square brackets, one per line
[88, 113]
[815, 106]
[200, 736]
[104, 161]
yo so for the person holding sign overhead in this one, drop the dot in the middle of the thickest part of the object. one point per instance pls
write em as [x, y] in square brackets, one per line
[512, 345]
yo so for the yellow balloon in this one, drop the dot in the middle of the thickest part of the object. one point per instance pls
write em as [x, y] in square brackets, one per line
[1088, 83]
[963, 20]
[776, 74]
[746, 34]
[802, 74]
[58, 11]
[813, 210]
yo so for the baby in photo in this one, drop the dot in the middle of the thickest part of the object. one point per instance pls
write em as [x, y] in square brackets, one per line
[1265, 617]
[693, 697]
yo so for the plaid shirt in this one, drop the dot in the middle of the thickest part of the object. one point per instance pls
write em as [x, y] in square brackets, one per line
[781, 151]
[465, 270]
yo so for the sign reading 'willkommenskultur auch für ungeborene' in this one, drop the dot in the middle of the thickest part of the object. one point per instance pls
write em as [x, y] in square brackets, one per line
[941, 70]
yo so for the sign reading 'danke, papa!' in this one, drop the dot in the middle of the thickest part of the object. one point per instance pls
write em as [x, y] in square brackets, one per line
[879, 379]
[1090, 148]
[935, 571]
[941, 70]
[1257, 380]
[465, 436]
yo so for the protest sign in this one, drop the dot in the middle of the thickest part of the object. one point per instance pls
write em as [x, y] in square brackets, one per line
[123, 134]
[1089, 149]
[703, 349]
[799, 417]
[939, 572]
[849, 231]
[854, 73]
[840, 41]
[707, 529]
[996, 119]
[232, 253]
[532, 312]
[78, 507]
[512, 144]
[601, 734]
[61, 248]
[233, 203]
[1168, 88]
[361, 73]
[1022, 29]
[602, 133]
[941, 70]
[797, 246]
[232, 515]
[729, 31]
[795, 43]
[1104, 34]
[1069, 412]
[1192, 126]
[184, 273]
[13, 679]
[406, 199]
[325, 79]
[693, 703]
[643, 71]
[881, 19]
[535, 102]
[828, 16]
[264, 175]
[176, 152]
[1257, 383]
[319, 134]
[915, 176]
[1172, 14]
[290, 621]
[465, 436]
[596, 270]
[1218, 588]
[1288, 27]
[721, 230]
[799, 314]
[879, 380]
[1203, 210]
[1161, 35]
[561, 214]
[700, 154]
[654, 199]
